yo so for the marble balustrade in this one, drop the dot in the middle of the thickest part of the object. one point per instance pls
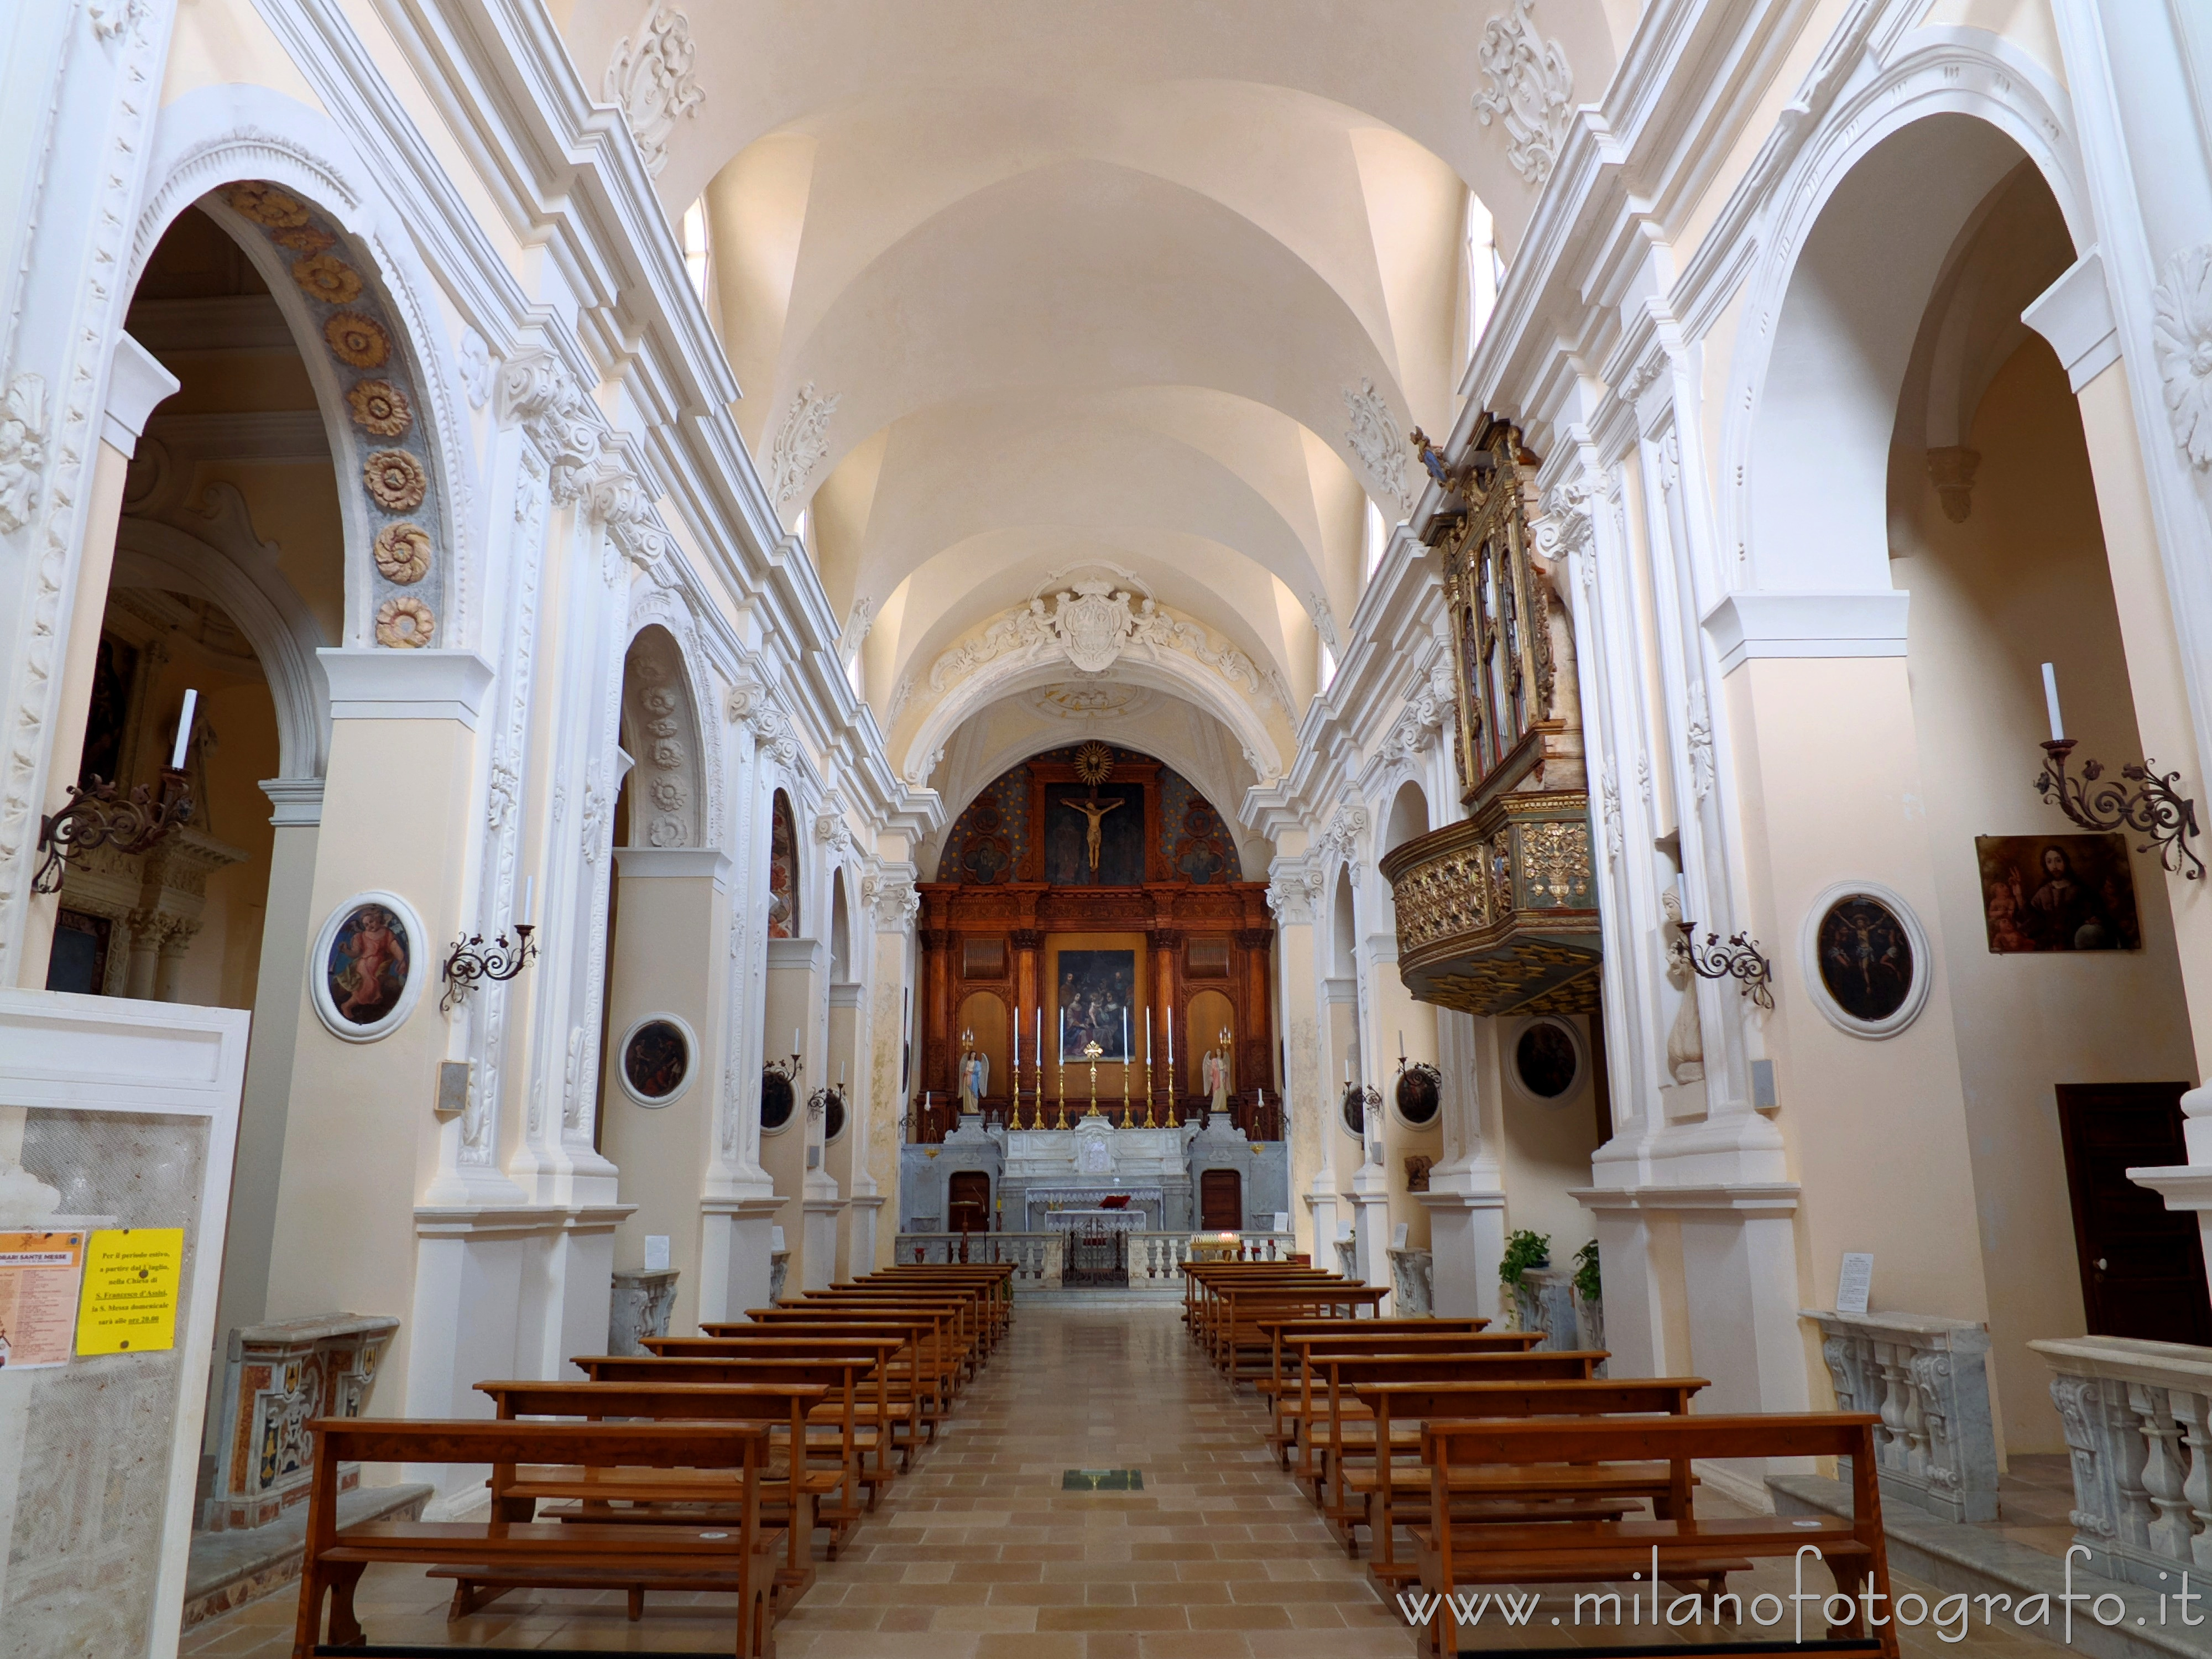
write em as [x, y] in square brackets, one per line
[1928, 1379]
[2137, 1417]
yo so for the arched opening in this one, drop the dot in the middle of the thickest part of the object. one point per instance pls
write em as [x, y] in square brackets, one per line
[1409, 817]
[666, 905]
[1345, 1025]
[1912, 436]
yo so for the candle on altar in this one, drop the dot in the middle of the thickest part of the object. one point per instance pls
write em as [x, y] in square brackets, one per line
[1148, 1039]
[1125, 1034]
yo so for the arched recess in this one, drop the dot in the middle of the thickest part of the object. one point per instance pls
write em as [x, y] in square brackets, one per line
[783, 880]
[266, 609]
[1409, 816]
[1849, 253]
[1165, 671]
[289, 187]
[840, 931]
[1204, 1016]
[661, 731]
[985, 1014]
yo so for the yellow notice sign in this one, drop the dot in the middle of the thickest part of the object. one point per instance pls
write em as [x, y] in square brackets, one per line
[132, 1275]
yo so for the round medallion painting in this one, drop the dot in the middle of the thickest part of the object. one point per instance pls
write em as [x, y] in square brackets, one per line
[1546, 1061]
[369, 966]
[777, 1100]
[656, 1060]
[833, 1116]
[1865, 957]
[1418, 1095]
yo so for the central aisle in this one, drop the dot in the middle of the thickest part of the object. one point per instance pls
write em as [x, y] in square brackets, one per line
[981, 1553]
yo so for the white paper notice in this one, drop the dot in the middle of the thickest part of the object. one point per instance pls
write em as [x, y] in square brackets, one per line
[1856, 1279]
[656, 1253]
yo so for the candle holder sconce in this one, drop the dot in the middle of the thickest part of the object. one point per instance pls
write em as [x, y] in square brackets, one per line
[471, 962]
[1740, 959]
[2156, 810]
[101, 815]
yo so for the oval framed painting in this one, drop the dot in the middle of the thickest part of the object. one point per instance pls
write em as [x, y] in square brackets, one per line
[1418, 1095]
[657, 1057]
[1547, 1061]
[834, 1115]
[778, 1102]
[371, 960]
[1866, 959]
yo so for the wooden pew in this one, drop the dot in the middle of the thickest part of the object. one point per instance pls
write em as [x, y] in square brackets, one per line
[879, 1414]
[1562, 1492]
[511, 1550]
[1236, 1330]
[1294, 1405]
[1339, 1425]
[785, 1480]
[1688, 1546]
[936, 1364]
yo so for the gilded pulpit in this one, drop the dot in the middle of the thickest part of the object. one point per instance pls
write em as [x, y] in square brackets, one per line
[1497, 912]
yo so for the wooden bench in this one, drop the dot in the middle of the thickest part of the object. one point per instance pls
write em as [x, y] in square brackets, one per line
[733, 1557]
[1299, 1352]
[1236, 1332]
[790, 1490]
[1684, 1545]
[1341, 1426]
[1376, 1492]
[879, 1414]
[929, 1381]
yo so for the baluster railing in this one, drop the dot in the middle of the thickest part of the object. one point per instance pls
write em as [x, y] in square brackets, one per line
[2137, 1417]
[1928, 1381]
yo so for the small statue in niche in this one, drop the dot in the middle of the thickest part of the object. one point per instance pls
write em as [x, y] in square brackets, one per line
[1685, 1042]
[1418, 1165]
[1215, 1072]
[975, 1074]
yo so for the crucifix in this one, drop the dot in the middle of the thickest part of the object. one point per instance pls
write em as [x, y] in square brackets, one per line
[1093, 808]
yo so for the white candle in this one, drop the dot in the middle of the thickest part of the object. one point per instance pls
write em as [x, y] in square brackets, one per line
[1125, 1036]
[1148, 1039]
[529, 895]
[840, 1074]
[2050, 703]
[184, 730]
[794, 1040]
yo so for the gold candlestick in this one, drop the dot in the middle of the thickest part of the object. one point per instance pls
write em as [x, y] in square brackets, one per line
[1090, 1052]
[1149, 1124]
[1062, 1114]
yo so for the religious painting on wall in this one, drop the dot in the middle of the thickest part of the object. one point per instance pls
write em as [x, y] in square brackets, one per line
[1098, 996]
[1094, 837]
[369, 966]
[2071, 892]
[656, 1061]
[782, 870]
[114, 672]
[1866, 957]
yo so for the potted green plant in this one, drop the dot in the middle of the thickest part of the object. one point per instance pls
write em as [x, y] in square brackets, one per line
[1589, 1297]
[1524, 1250]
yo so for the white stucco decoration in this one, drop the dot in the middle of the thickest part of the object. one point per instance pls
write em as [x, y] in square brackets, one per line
[1809, 959]
[22, 449]
[800, 442]
[651, 82]
[411, 957]
[1527, 85]
[2182, 329]
[1371, 432]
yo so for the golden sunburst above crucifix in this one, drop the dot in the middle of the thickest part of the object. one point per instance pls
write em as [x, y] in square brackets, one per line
[1094, 762]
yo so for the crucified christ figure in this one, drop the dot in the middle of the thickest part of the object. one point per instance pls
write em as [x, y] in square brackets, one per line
[1093, 809]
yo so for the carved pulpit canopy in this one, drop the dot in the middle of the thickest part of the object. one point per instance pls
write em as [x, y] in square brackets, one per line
[1498, 912]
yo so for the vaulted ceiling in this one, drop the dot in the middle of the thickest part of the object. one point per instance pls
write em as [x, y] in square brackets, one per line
[1103, 292]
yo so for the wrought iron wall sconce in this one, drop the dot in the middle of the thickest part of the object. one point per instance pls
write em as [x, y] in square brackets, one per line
[101, 815]
[1740, 959]
[818, 1104]
[2158, 809]
[779, 1090]
[1359, 1100]
[471, 962]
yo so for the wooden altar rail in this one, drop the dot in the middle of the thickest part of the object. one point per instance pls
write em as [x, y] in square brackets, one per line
[1156, 1258]
[928, 1125]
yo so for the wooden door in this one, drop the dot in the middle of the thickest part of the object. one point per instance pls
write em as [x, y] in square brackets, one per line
[1220, 1201]
[968, 1202]
[2142, 1267]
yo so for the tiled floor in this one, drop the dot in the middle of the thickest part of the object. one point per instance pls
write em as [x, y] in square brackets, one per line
[981, 1555]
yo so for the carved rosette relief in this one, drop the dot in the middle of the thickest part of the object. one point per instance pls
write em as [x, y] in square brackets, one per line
[661, 732]
[389, 448]
[2182, 332]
